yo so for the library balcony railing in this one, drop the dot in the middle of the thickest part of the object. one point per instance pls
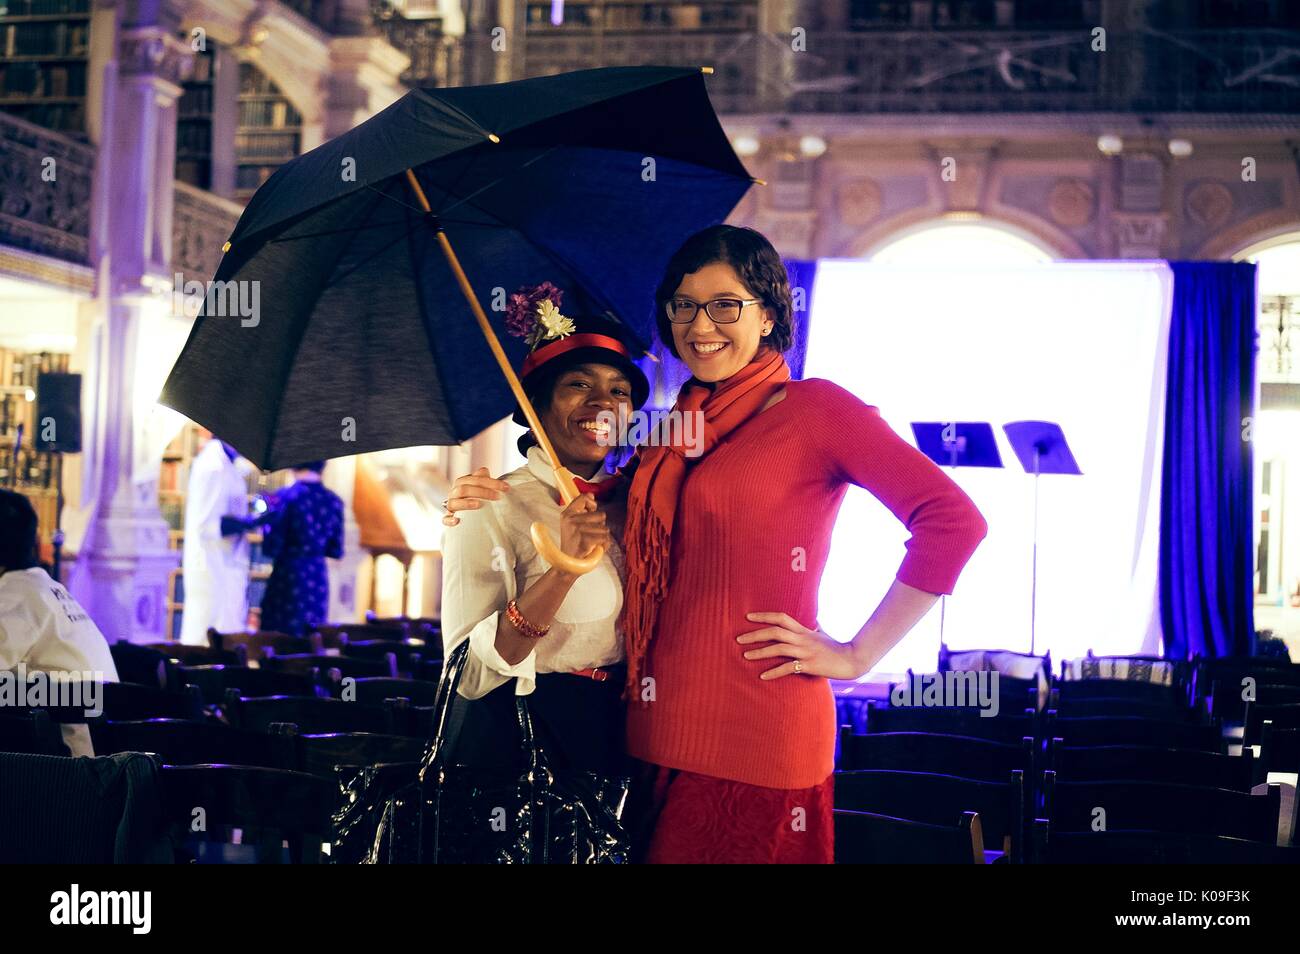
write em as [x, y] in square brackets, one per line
[45, 188]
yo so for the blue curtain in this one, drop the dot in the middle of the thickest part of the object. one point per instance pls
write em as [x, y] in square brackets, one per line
[667, 374]
[1206, 515]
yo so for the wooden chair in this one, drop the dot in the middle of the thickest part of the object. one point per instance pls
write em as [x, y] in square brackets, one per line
[1223, 680]
[1148, 763]
[1228, 703]
[1120, 707]
[186, 654]
[429, 670]
[1279, 750]
[865, 838]
[177, 742]
[1153, 848]
[1161, 806]
[337, 635]
[214, 681]
[1282, 717]
[256, 644]
[320, 754]
[30, 732]
[934, 798]
[1006, 728]
[124, 701]
[414, 720]
[1081, 691]
[142, 666]
[408, 655]
[311, 715]
[317, 667]
[958, 755]
[1101, 730]
[373, 690]
[271, 808]
[418, 627]
[1179, 670]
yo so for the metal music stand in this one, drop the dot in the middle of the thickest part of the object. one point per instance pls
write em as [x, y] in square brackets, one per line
[956, 444]
[1042, 449]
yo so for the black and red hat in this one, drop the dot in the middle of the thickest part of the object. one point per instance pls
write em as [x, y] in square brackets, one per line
[559, 341]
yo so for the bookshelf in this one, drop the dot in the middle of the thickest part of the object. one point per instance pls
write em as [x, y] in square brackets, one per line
[34, 475]
[44, 56]
[269, 132]
[194, 123]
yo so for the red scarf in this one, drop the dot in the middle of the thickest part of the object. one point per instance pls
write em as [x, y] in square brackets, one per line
[657, 485]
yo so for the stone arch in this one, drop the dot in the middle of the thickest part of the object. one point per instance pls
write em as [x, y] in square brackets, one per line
[293, 52]
[873, 239]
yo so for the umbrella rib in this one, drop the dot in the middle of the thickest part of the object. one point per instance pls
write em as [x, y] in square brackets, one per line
[550, 254]
[494, 182]
[379, 251]
[406, 205]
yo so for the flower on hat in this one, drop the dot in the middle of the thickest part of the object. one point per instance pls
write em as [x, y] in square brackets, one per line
[556, 324]
[533, 313]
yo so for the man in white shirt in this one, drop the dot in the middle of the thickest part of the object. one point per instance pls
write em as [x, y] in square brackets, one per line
[215, 563]
[42, 628]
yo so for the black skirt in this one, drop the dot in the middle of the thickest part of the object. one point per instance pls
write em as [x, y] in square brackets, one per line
[578, 721]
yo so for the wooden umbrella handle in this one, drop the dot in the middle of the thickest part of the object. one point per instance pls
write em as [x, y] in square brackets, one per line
[545, 543]
[546, 546]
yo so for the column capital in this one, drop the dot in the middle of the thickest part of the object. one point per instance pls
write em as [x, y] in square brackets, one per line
[151, 53]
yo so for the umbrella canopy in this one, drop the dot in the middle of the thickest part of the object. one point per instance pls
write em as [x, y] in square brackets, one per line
[361, 338]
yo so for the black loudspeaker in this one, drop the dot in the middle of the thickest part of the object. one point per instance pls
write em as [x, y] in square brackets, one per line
[57, 426]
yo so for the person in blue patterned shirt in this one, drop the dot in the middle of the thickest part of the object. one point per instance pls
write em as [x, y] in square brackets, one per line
[303, 526]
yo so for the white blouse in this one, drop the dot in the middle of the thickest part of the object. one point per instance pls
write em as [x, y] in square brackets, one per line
[489, 559]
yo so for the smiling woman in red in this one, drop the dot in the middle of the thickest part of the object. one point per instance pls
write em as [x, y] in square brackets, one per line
[731, 708]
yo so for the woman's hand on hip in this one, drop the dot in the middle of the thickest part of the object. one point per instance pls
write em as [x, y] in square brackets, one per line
[816, 653]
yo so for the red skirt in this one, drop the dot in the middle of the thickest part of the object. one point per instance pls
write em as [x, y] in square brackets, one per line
[691, 819]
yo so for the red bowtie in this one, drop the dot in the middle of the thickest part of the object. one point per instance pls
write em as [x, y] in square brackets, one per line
[603, 489]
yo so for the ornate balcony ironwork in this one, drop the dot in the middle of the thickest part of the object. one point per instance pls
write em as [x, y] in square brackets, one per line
[45, 187]
[201, 223]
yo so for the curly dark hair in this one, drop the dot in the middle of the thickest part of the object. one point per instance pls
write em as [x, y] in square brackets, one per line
[754, 260]
[18, 540]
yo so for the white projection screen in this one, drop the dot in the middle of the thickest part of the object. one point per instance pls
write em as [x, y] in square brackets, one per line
[1083, 344]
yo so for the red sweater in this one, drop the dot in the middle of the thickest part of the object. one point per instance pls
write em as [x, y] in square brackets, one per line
[774, 485]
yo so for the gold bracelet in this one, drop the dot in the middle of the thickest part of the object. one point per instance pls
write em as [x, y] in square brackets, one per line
[525, 628]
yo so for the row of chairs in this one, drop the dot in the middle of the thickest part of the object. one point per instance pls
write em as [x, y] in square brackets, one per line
[382, 705]
[1143, 762]
[1223, 685]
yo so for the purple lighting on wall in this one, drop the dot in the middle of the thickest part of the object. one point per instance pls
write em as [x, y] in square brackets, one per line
[557, 12]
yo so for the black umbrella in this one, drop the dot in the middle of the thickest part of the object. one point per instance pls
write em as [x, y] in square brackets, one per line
[358, 327]
[588, 179]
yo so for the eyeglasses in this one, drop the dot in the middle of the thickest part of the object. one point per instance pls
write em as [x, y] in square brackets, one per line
[723, 311]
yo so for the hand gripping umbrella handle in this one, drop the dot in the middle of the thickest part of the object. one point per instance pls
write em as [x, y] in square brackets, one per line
[546, 545]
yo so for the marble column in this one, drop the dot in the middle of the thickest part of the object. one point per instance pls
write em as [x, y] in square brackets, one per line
[125, 560]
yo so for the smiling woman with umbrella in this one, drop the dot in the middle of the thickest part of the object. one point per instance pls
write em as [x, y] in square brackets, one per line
[535, 630]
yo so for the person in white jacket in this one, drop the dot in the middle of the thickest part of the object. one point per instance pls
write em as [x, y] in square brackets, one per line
[215, 556]
[42, 628]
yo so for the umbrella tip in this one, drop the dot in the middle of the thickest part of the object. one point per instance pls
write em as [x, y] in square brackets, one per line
[652, 356]
[493, 137]
[225, 247]
[758, 181]
[706, 70]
